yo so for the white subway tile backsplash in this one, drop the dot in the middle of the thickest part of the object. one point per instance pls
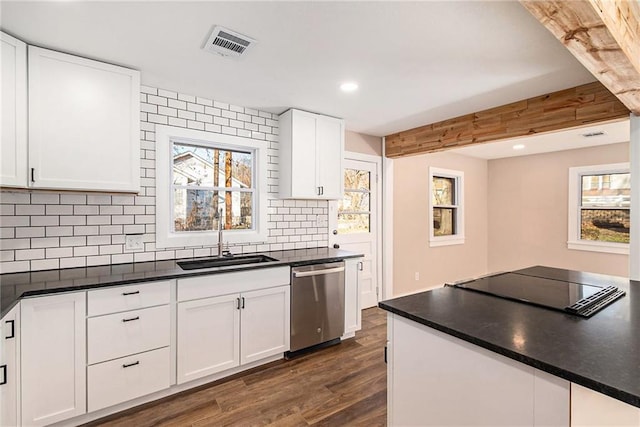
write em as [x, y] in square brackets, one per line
[78, 230]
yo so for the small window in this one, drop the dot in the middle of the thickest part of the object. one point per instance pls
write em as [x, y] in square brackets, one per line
[599, 208]
[446, 207]
[208, 180]
[203, 178]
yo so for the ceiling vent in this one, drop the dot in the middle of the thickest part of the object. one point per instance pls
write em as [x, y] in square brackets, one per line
[228, 43]
[594, 133]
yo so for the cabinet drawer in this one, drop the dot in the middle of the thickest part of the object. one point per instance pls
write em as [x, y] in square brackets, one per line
[119, 380]
[130, 297]
[121, 334]
[229, 283]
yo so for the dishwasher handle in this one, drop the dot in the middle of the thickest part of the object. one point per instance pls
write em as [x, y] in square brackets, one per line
[317, 272]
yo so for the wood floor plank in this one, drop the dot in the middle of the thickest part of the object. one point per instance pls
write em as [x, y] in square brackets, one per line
[336, 386]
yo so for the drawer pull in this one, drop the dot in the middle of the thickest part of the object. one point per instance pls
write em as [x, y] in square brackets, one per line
[130, 293]
[128, 365]
[131, 319]
[4, 374]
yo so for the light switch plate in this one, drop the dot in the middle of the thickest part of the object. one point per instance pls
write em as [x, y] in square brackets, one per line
[133, 242]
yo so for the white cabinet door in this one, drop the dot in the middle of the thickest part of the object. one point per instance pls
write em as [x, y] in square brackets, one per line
[311, 151]
[84, 123]
[329, 149]
[53, 358]
[352, 311]
[590, 408]
[13, 152]
[208, 336]
[264, 323]
[10, 368]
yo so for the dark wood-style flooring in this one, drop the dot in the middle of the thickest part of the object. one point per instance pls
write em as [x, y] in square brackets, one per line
[341, 385]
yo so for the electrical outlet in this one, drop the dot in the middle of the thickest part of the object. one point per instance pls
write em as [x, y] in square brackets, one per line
[133, 242]
[417, 276]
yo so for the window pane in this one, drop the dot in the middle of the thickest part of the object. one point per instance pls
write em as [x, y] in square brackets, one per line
[192, 165]
[208, 167]
[353, 223]
[356, 179]
[605, 225]
[194, 210]
[606, 190]
[444, 221]
[443, 191]
[354, 202]
[234, 169]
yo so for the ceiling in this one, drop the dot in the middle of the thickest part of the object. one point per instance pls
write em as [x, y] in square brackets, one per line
[567, 139]
[415, 62]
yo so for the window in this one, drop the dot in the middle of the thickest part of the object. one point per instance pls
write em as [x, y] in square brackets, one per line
[446, 206]
[354, 210]
[202, 178]
[599, 208]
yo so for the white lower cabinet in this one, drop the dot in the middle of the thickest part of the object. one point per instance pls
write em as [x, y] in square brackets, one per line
[264, 323]
[590, 408]
[219, 329]
[208, 336]
[435, 379]
[220, 333]
[127, 378]
[53, 358]
[10, 368]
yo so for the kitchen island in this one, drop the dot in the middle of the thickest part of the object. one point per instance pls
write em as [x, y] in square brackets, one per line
[462, 357]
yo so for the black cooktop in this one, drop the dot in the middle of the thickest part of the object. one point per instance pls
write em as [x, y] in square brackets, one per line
[575, 298]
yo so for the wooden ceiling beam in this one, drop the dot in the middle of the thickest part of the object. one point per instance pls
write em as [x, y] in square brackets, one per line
[604, 35]
[578, 106]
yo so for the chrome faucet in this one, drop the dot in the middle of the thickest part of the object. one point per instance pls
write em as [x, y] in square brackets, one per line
[220, 244]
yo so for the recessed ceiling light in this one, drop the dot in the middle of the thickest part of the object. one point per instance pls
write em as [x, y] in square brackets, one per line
[349, 86]
[518, 147]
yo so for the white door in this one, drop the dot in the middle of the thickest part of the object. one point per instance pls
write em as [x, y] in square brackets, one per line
[9, 365]
[353, 222]
[53, 358]
[208, 336]
[264, 323]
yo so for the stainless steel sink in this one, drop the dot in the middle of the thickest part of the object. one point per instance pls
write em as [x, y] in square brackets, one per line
[224, 261]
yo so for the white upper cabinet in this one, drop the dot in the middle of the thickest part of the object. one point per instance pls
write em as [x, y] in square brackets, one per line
[84, 123]
[311, 151]
[13, 152]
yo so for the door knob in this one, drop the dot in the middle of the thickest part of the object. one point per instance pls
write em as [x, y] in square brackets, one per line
[335, 232]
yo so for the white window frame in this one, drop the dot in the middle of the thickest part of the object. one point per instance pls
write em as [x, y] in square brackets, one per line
[454, 239]
[575, 177]
[166, 237]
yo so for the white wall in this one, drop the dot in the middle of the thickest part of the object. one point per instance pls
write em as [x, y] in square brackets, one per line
[50, 230]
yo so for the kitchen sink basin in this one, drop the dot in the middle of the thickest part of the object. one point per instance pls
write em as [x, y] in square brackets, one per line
[224, 261]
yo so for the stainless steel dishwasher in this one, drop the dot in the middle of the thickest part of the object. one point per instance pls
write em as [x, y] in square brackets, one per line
[317, 304]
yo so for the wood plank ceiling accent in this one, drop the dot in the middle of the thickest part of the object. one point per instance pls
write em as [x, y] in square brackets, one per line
[604, 35]
[578, 106]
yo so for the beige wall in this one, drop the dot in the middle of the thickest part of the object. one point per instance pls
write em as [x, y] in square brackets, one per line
[361, 143]
[528, 211]
[411, 228]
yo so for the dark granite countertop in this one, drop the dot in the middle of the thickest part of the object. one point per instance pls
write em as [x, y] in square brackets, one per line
[601, 352]
[14, 286]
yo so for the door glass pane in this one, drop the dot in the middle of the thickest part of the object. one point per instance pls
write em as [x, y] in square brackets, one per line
[354, 202]
[443, 191]
[605, 225]
[356, 179]
[444, 221]
[353, 223]
[355, 207]
[606, 190]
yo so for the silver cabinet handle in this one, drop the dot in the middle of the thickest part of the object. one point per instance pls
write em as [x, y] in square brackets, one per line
[317, 272]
